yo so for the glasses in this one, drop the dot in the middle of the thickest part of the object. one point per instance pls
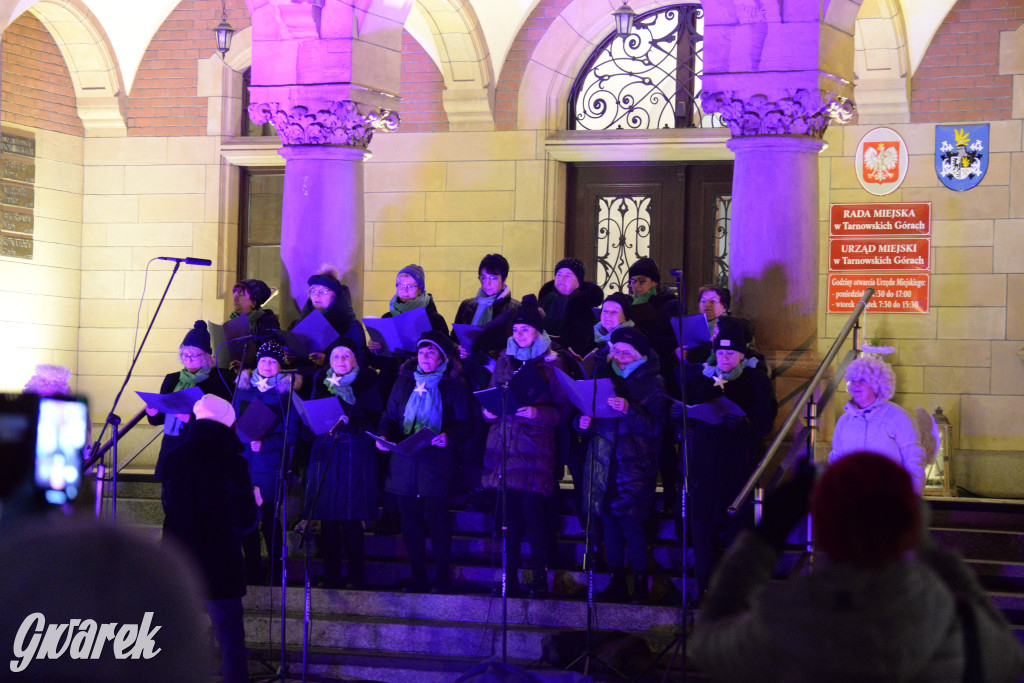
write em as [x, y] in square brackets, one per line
[406, 288]
[319, 291]
[489, 278]
[190, 356]
[638, 281]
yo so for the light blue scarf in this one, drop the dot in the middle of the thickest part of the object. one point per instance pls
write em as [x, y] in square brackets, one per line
[713, 371]
[539, 346]
[628, 370]
[485, 306]
[603, 335]
[424, 407]
[343, 387]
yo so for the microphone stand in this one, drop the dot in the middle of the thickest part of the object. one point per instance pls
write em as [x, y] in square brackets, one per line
[503, 492]
[114, 420]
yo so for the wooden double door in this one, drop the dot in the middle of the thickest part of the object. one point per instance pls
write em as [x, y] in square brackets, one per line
[676, 213]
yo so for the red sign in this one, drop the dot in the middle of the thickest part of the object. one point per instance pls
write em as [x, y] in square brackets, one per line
[880, 220]
[881, 162]
[879, 254]
[894, 292]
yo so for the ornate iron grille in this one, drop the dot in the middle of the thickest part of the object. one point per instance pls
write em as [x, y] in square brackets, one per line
[648, 79]
[623, 236]
[720, 260]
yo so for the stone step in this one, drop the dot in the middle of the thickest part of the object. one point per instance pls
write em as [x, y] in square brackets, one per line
[982, 544]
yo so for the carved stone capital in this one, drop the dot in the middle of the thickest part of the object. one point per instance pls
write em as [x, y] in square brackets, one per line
[324, 123]
[800, 112]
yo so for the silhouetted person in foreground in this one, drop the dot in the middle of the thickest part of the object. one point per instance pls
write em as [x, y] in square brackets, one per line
[884, 603]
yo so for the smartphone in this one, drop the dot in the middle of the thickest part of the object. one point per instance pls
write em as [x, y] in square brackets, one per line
[61, 433]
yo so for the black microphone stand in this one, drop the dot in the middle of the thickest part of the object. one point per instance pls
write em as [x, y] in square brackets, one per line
[114, 420]
[503, 493]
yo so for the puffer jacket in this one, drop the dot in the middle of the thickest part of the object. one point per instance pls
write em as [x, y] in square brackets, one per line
[884, 428]
[623, 451]
[432, 471]
[531, 442]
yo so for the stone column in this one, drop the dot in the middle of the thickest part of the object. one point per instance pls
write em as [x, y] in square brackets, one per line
[773, 233]
[324, 146]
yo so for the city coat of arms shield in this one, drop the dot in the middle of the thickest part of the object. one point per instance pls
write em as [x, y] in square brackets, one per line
[961, 155]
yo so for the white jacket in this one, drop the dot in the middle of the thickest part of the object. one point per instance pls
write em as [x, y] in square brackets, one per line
[883, 428]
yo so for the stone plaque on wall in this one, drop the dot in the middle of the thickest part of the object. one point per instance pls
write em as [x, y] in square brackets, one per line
[17, 195]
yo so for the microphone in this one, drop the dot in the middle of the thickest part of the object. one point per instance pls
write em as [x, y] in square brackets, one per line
[675, 272]
[255, 337]
[188, 261]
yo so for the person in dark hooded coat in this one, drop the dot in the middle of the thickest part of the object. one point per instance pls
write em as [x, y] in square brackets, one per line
[342, 482]
[428, 393]
[568, 302]
[622, 460]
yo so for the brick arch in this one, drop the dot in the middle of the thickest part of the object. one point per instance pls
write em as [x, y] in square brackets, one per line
[959, 79]
[92, 66]
[37, 90]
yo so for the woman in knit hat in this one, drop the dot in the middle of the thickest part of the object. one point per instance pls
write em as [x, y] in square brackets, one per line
[527, 438]
[195, 354]
[248, 297]
[269, 386]
[622, 460]
[616, 312]
[343, 468]
[568, 302]
[429, 393]
[329, 296]
[724, 454]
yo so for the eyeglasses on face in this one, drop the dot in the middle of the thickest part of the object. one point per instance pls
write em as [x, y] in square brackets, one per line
[319, 291]
[190, 356]
[486, 277]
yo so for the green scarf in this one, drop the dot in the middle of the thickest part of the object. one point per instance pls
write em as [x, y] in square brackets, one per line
[644, 298]
[628, 370]
[342, 386]
[398, 307]
[187, 380]
[539, 347]
[603, 335]
[424, 408]
[484, 306]
[253, 317]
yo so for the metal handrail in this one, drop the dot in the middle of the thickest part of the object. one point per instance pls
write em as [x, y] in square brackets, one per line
[794, 414]
[126, 427]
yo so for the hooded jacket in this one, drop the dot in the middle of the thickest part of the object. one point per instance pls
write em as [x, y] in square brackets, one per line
[884, 428]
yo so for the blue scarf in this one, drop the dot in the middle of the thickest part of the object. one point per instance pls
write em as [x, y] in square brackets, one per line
[628, 370]
[342, 387]
[603, 335]
[263, 384]
[539, 346]
[424, 408]
[485, 306]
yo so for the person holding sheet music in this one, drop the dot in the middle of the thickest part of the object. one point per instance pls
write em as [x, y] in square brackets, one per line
[724, 454]
[615, 313]
[334, 301]
[267, 385]
[248, 297]
[622, 460]
[527, 438]
[342, 474]
[569, 302]
[198, 370]
[429, 393]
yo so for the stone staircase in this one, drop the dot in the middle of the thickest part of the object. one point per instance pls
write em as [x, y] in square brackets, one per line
[383, 634]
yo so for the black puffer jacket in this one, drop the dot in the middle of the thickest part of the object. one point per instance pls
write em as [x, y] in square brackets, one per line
[624, 450]
[346, 461]
[571, 321]
[209, 505]
[432, 471]
[492, 338]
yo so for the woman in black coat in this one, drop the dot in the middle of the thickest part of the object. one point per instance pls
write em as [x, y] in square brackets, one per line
[198, 370]
[622, 460]
[208, 506]
[724, 455]
[342, 477]
[429, 393]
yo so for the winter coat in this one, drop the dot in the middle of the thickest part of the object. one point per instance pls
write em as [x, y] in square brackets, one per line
[494, 334]
[209, 505]
[574, 328]
[389, 363]
[347, 460]
[845, 622]
[654, 319]
[211, 385]
[884, 428]
[530, 466]
[623, 451]
[343, 319]
[432, 471]
[265, 464]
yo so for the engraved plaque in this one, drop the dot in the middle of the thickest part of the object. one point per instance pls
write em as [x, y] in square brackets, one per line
[17, 221]
[17, 195]
[17, 247]
[19, 170]
[15, 144]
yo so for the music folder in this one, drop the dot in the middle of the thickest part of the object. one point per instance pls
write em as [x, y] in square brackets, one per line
[174, 403]
[414, 445]
[399, 332]
[255, 421]
[320, 415]
[695, 330]
[590, 396]
[525, 387]
[312, 333]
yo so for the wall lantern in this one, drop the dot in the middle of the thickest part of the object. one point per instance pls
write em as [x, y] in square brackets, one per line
[624, 20]
[224, 31]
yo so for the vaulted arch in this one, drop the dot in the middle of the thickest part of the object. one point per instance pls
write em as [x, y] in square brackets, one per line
[99, 86]
[881, 63]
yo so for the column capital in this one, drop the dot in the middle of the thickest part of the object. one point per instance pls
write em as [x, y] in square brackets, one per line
[324, 122]
[797, 112]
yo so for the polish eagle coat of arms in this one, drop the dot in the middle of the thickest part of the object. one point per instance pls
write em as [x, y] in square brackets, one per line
[961, 155]
[881, 161]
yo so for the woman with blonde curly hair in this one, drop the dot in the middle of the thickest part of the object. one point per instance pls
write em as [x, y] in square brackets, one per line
[872, 422]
